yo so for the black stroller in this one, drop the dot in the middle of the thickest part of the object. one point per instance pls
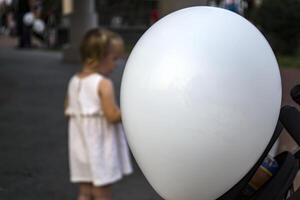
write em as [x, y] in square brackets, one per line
[280, 186]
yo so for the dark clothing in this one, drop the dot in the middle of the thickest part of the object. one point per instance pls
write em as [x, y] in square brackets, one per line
[22, 7]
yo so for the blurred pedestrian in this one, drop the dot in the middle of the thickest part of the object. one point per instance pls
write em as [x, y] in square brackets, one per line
[24, 33]
[154, 14]
[98, 151]
[231, 5]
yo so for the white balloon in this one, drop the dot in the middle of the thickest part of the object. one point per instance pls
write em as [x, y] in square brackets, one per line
[200, 99]
[38, 26]
[28, 19]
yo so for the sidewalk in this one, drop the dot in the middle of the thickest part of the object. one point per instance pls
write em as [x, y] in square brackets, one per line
[33, 140]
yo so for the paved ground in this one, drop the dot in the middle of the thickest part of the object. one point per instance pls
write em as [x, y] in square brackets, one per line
[33, 133]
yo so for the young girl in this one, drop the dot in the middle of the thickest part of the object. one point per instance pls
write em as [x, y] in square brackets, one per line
[97, 147]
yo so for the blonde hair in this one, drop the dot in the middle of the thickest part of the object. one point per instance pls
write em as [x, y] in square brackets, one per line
[97, 44]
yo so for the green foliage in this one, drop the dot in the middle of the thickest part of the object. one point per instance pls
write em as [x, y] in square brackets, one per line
[52, 4]
[289, 61]
[279, 20]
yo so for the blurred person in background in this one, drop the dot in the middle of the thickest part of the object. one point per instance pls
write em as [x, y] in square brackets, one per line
[231, 5]
[2, 17]
[11, 23]
[7, 20]
[24, 35]
[154, 14]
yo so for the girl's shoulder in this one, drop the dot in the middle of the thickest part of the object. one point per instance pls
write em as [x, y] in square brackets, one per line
[72, 79]
[105, 85]
[91, 77]
[72, 84]
[96, 78]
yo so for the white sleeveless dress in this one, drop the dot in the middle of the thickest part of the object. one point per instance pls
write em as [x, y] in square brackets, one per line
[98, 151]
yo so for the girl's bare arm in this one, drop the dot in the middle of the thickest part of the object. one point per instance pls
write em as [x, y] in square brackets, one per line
[111, 110]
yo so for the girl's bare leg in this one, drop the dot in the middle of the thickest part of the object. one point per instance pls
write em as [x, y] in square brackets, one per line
[102, 193]
[85, 191]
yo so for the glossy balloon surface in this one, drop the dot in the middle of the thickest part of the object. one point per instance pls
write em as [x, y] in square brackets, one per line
[200, 99]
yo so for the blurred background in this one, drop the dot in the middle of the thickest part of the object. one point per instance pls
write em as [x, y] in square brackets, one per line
[39, 53]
